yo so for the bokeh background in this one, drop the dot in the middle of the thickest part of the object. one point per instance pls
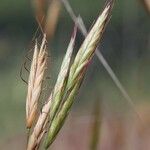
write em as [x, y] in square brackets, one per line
[125, 45]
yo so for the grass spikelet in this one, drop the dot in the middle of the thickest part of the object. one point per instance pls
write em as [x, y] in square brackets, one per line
[36, 76]
[77, 73]
[59, 89]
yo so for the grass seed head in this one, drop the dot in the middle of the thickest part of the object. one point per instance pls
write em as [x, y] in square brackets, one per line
[36, 76]
[40, 126]
[77, 73]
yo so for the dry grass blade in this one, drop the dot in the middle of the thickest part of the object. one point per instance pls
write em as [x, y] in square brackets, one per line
[39, 128]
[146, 4]
[39, 8]
[52, 18]
[77, 73]
[38, 67]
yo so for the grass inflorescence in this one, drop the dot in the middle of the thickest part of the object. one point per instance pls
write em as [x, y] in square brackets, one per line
[57, 107]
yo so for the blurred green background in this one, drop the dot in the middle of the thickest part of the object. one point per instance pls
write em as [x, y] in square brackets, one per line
[125, 45]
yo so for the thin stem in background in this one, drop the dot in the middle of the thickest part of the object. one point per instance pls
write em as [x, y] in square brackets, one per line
[96, 126]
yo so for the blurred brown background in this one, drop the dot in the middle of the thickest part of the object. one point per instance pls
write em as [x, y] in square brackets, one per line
[126, 47]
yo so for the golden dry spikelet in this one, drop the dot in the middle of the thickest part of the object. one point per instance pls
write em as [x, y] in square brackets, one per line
[36, 76]
[40, 127]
